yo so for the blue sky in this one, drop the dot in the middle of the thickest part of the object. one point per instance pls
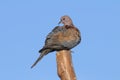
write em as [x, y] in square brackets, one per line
[24, 25]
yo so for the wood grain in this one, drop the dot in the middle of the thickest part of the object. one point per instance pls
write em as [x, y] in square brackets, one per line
[64, 65]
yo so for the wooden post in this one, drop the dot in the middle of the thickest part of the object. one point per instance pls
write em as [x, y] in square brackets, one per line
[64, 65]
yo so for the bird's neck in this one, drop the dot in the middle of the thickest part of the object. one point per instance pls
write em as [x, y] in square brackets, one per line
[70, 25]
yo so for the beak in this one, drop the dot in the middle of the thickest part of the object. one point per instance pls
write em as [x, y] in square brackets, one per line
[60, 22]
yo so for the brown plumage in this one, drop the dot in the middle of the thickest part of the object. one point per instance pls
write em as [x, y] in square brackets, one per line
[61, 38]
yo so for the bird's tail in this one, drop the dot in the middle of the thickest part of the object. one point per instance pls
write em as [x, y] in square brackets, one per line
[44, 52]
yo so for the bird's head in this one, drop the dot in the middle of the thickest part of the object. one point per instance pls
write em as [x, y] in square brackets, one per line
[66, 20]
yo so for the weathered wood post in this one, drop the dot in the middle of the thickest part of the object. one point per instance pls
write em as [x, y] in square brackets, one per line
[64, 65]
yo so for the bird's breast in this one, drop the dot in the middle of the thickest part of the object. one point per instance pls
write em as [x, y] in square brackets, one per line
[70, 37]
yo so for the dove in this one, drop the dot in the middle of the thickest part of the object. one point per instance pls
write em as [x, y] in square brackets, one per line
[63, 37]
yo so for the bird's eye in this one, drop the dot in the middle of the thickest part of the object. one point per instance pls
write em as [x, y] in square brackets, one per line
[63, 18]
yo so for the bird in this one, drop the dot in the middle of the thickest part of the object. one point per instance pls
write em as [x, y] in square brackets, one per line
[60, 38]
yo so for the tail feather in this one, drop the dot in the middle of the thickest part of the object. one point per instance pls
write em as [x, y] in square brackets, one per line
[39, 58]
[44, 52]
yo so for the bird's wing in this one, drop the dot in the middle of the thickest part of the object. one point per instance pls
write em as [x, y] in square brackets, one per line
[52, 37]
[54, 31]
[53, 34]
